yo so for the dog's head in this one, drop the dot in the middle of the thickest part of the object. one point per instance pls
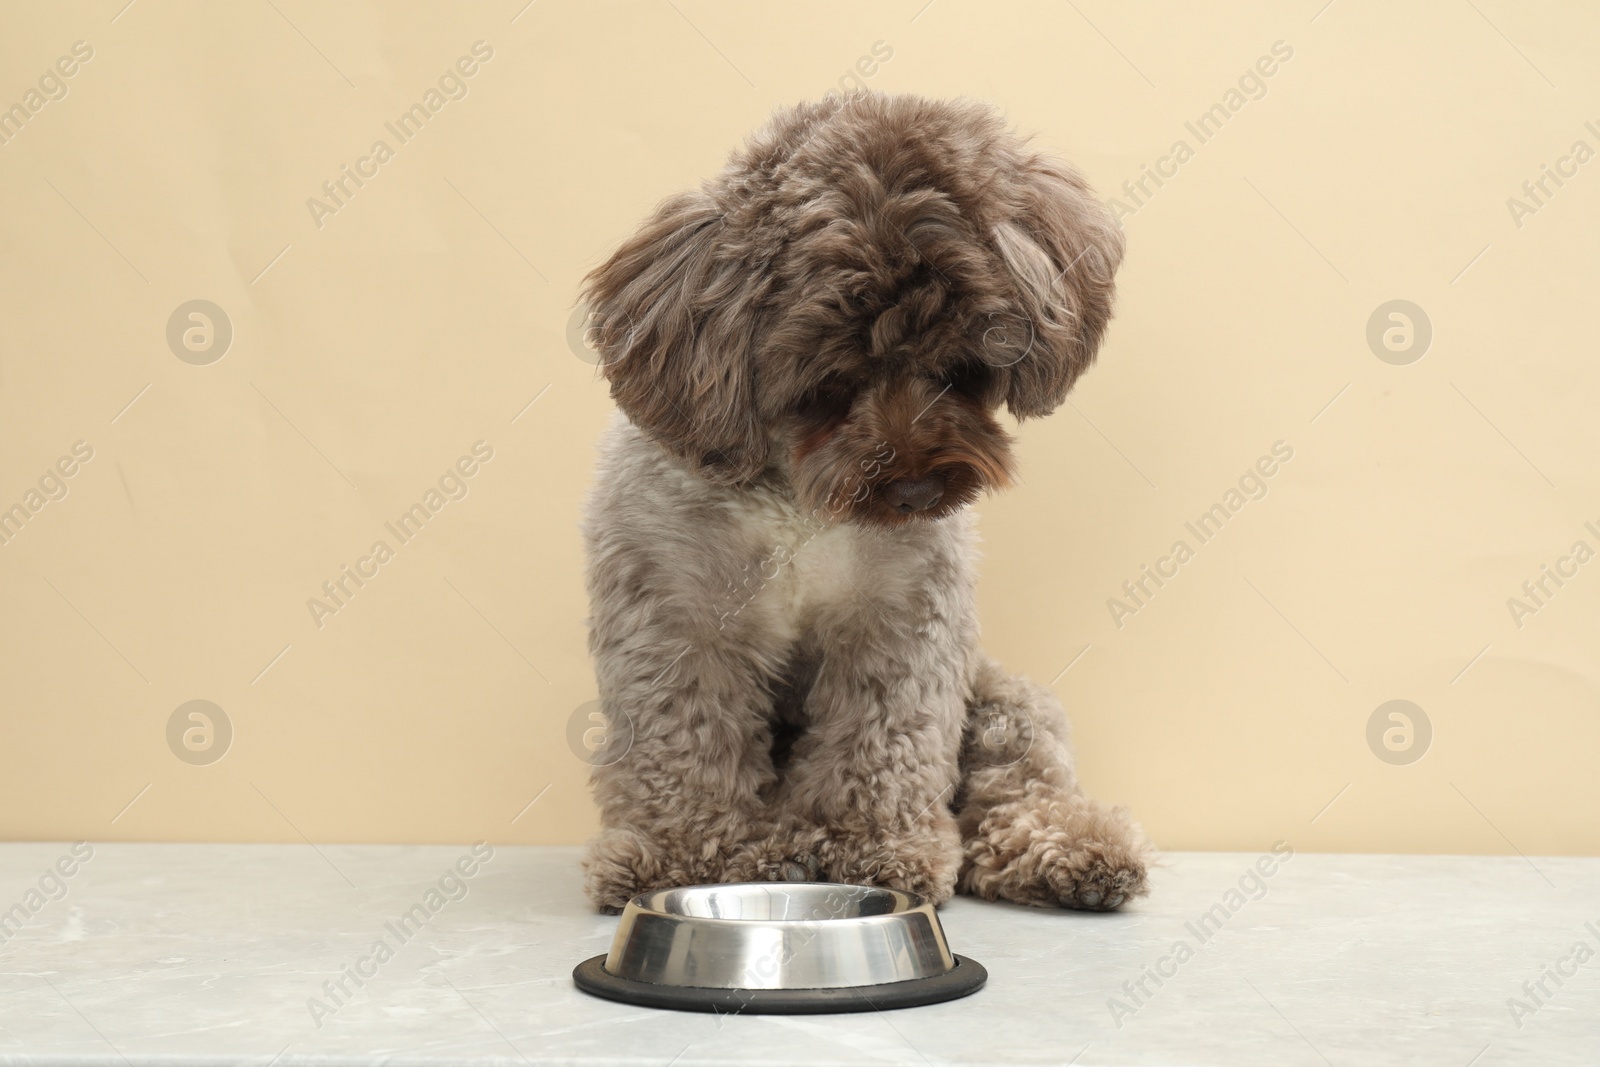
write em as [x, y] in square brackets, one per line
[852, 300]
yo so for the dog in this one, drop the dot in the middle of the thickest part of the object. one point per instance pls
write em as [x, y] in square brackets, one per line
[808, 355]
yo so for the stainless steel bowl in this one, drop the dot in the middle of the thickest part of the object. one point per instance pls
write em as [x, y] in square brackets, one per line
[779, 947]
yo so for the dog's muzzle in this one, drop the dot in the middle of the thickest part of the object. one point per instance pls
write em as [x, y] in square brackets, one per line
[911, 495]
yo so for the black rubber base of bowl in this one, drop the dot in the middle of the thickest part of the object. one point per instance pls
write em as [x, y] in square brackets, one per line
[968, 977]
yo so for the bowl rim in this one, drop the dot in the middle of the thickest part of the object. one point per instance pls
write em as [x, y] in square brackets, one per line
[914, 903]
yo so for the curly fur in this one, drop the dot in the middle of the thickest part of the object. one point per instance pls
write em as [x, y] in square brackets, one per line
[808, 354]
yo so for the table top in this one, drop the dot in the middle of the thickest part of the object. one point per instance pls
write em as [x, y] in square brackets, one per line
[357, 954]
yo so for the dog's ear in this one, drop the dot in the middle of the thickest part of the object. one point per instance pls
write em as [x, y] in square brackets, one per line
[1062, 250]
[672, 317]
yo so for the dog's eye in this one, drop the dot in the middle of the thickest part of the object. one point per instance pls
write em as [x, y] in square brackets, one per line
[970, 379]
[830, 399]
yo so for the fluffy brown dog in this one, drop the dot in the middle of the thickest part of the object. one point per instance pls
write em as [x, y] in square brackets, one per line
[810, 353]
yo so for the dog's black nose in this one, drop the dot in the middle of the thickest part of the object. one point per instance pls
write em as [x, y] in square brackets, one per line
[908, 495]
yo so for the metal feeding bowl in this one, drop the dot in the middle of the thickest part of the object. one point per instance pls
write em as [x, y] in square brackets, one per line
[779, 948]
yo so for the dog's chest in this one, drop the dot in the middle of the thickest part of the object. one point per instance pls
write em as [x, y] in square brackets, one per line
[796, 571]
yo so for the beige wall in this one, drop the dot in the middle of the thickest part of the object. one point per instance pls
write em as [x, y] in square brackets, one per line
[373, 346]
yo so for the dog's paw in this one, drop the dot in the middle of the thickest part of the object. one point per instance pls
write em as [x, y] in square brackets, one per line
[1071, 853]
[782, 856]
[924, 859]
[802, 869]
[1094, 875]
[622, 863]
[619, 866]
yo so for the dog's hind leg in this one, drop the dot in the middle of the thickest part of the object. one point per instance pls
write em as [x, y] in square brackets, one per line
[1028, 833]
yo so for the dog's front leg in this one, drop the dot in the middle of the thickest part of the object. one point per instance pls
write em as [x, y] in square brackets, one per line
[1030, 833]
[681, 801]
[868, 791]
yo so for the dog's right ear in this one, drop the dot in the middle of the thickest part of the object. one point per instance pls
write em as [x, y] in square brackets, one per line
[1062, 250]
[672, 316]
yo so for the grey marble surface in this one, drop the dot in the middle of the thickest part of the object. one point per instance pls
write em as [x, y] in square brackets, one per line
[213, 954]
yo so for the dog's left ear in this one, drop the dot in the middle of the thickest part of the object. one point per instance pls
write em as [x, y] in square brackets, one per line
[673, 319]
[1062, 249]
